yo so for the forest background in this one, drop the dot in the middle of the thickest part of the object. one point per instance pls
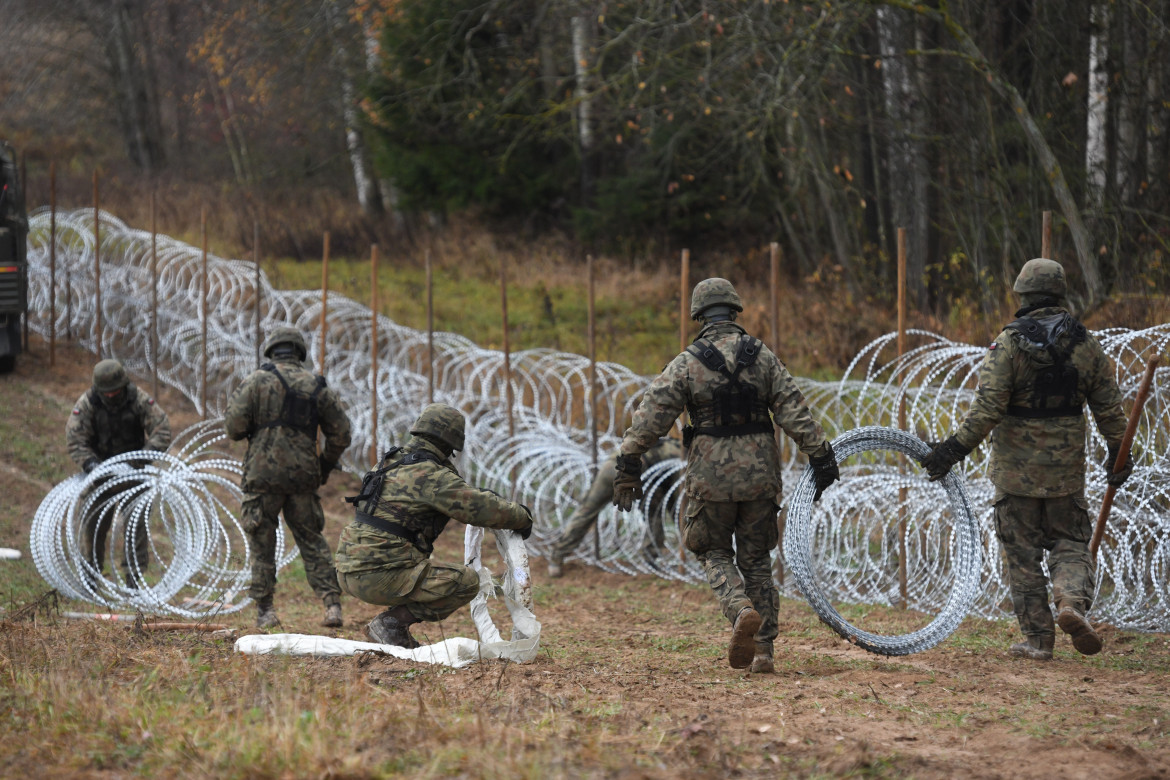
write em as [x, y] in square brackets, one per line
[537, 133]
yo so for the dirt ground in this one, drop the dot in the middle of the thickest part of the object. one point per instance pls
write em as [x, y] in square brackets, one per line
[631, 681]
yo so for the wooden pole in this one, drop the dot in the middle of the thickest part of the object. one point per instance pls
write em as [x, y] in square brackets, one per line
[23, 190]
[902, 575]
[97, 267]
[684, 316]
[203, 316]
[259, 294]
[774, 323]
[1135, 416]
[324, 297]
[1046, 235]
[374, 354]
[153, 294]
[52, 263]
[509, 400]
[430, 331]
[591, 341]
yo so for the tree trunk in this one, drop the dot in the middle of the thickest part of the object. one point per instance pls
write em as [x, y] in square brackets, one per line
[1098, 105]
[136, 102]
[584, 32]
[343, 35]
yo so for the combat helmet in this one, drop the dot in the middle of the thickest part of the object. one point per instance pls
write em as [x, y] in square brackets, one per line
[442, 423]
[713, 292]
[109, 375]
[1041, 275]
[285, 335]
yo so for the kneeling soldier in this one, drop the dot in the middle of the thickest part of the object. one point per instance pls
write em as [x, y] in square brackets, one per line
[384, 555]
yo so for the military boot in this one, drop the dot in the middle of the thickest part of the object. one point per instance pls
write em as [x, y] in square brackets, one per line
[743, 638]
[1077, 626]
[556, 563]
[332, 616]
[386, 629]
[266, 614]
[763, 663]
[1036, 648]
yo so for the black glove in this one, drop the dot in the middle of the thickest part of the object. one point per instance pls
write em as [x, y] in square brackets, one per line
[526, 531]
[627, 482]
[90, 465]
[326, 467]
[942, 457]
[1117, 478]
[825, 470]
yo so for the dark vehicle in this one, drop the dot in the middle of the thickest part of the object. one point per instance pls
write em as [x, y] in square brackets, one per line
[13, 257]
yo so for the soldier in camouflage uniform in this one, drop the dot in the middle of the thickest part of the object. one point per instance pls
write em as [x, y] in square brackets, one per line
[384, 555]
[600, 494]
[736, 391]
[1033, 384]
[279, 409]
[111, 418]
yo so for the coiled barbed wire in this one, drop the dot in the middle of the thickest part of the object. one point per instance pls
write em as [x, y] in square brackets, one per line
[856, 546]
[184, 501]
[547, 462]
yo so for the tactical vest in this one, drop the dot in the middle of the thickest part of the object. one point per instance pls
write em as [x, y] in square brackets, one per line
[116, 430]
[298, 411]
[735, 408]
[420, 528]
[1055, 389]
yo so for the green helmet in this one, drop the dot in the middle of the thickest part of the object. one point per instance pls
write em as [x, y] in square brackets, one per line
[713, 292]
[109, 375]
[285, 335]
[1041, 276]
[441, 422]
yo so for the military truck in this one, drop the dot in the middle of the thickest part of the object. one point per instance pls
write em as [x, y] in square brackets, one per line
[13, 258]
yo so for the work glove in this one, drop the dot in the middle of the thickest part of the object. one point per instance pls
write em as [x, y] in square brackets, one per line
[526, 531]
[627, 482]
[942, 456]
[326, 468]
[90, 465]
[825, 470]
[1117, 478]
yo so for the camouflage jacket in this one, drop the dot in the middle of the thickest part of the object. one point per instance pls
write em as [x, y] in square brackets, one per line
[98, 430]
[423, 491]
[1040, 457]
[735, 468]
[282, 459]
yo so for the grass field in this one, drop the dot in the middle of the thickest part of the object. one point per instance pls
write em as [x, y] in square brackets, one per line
[631, 680]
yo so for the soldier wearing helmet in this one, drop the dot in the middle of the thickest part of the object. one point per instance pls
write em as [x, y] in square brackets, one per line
[279, 410]
[111, 418]
[1033, 385]
[735, 391]
[384, 555]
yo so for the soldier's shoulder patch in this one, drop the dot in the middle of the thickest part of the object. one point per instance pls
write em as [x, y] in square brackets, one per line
[150, 401]
[993, 345]
[76, 410]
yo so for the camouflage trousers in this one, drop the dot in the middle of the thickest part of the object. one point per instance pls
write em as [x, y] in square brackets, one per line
[95, 530]
[585, 517]
[304, 518]
[743, 577]
[1027, 527]
[432, 595]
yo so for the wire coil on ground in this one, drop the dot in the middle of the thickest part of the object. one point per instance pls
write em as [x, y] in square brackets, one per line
[963, 551]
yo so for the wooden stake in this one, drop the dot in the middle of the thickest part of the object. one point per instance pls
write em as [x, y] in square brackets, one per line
[684, 316]
[153, 294]
[23, 190]
[374, 354]
[774, 322]
[1046, 235]
[902, 586]
[203, 316]
[509, 400]
[97, 267]
[430, 331]
[324, 297]
[591, 341]
[1135, 416]
[259, 294]
[52, 263]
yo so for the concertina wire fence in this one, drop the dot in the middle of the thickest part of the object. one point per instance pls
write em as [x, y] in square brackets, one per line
[847, 546]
